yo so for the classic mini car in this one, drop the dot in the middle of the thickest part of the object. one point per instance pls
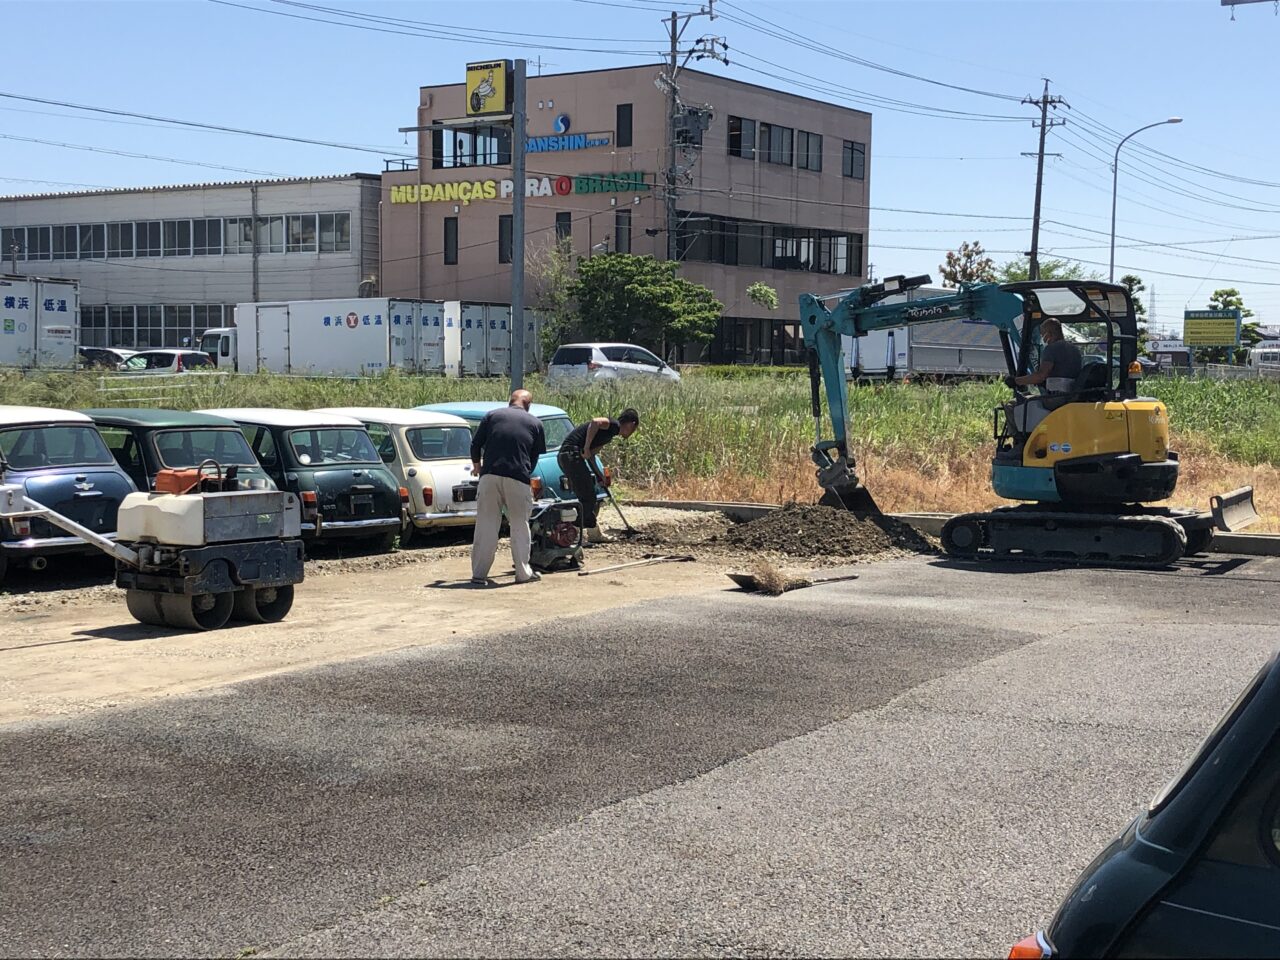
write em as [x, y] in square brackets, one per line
[61, 462]
[1198, 873]
[331, 464]
[555, 425]
[430, 454]
[144, 442]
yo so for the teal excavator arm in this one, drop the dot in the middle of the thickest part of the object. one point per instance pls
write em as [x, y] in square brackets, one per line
[861, 312]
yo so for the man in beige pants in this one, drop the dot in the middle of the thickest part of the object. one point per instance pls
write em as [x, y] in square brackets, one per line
[504, 451]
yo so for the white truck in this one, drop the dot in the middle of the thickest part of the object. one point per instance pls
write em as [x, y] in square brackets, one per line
[948, 348]
[371, 335]
[38, 320]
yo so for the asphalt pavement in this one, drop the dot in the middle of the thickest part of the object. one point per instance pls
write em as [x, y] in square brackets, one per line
[914, 762]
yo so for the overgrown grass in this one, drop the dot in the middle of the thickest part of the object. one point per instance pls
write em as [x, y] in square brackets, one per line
[752, 431]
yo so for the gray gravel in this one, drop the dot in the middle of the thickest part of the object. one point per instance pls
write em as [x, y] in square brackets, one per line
[916, 763]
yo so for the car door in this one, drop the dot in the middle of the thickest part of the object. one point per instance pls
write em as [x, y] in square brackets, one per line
[1224, 902]
[646, 363]
[618, 358]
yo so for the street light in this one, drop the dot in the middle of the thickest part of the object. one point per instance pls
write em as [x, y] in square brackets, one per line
[1115, 180]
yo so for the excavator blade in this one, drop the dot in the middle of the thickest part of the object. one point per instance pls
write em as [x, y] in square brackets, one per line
[1234, 511]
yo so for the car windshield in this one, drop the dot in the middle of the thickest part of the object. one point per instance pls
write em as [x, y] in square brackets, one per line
[328, 446]
[209, 343]
[29, 448]
[556, 429]
[179, 449]
[439, 443]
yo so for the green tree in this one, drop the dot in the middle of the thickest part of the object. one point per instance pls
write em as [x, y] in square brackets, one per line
[1133, 283]
[763, 295]
[1015, 271]
[639, 299]
[551, 269]
[969, 264]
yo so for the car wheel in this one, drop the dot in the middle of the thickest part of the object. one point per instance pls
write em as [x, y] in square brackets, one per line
[4, 565]
[384, 542]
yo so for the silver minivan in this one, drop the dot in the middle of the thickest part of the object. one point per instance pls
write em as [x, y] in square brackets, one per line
[590, 362]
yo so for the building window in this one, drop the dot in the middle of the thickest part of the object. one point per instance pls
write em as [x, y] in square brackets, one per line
[622, 126]
[270, 234]
[147, 238]
[39, 243]
[13, 242]
[205, 316]
[451, 240]
[65, 242]
[335, 232]
[749, 244]
[120, 331]
[301, 233]
[207, 238]
[238, 235]
[93, 326]
[742, 138]
[622, 231]
[177, 238]
[504, 238]
[119, 240]
[471, 147]
[178, 331]
[809, 151]
[776, 144]
[150, 328]
[564, 226]
[855, 160]
[93, 241]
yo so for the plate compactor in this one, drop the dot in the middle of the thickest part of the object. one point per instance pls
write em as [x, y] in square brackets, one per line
[197, 553]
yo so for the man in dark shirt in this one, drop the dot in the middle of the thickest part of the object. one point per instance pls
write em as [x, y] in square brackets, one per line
[504, 451]
[1060, 361]
[577, 459]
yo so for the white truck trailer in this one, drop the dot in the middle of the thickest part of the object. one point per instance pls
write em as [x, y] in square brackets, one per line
[38, 320]
[371, 335]
[948, 348]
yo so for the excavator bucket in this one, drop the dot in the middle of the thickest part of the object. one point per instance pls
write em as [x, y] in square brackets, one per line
[1234, 511]
[856, 499]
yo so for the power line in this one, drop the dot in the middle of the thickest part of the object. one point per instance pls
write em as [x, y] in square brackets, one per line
[139, 156]
[204, 126]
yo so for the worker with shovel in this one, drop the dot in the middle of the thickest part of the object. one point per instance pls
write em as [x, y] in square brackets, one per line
[577, 458]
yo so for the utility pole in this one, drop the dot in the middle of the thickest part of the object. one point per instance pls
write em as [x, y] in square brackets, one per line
[518, 130]
[706, 47]
[1044, 102]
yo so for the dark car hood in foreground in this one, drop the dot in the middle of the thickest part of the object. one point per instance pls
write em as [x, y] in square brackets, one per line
[88, 495]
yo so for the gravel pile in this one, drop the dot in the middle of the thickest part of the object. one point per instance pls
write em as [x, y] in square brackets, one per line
[813, 530]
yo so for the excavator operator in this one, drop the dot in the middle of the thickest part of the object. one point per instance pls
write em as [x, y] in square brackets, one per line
[1060, 361]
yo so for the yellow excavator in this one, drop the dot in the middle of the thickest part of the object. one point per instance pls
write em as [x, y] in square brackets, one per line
[1086, 459]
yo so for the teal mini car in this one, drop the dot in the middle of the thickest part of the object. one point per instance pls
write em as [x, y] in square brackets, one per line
[555, 424]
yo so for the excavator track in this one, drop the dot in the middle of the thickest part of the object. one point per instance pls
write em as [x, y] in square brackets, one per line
[1135, 541]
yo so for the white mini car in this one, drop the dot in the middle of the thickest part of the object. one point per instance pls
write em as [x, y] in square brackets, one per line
[590, 362]
[430, 453]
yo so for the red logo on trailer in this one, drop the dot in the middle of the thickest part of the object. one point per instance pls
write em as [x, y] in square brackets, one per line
[353, 320]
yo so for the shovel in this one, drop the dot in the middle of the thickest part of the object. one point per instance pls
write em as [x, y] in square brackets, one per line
[630, 530]
[752, 584]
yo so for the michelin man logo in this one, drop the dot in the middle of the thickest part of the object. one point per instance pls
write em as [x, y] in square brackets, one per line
[562, 123]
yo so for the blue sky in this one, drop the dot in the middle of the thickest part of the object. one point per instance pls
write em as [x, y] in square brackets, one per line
[1119, 65]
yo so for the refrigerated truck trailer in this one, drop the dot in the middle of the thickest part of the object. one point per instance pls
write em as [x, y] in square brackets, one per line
[38, 318]
[370, 335]
[948, 348]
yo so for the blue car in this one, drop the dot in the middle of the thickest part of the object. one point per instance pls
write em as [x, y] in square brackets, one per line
[555, 424]
[61, 462]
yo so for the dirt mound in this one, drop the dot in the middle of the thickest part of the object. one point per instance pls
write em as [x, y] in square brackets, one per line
[813, 530]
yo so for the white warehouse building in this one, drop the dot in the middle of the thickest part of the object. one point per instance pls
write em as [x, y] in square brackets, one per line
[159, 265]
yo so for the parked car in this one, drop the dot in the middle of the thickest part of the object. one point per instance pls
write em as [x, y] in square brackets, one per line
[61, 462]
[168, 361]
[1197, 874]
[555, 424]
[583, 363]
[331, 464]
[105, 358]
[430, 454]
[144, 442]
